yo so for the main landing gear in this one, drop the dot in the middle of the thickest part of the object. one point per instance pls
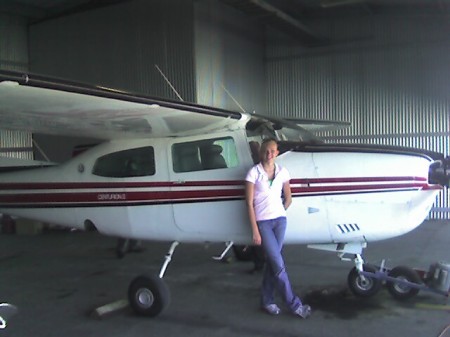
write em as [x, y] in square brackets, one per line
[149, 295]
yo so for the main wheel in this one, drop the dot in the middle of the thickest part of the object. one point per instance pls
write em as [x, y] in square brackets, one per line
[243, 253]
[122, 247]
[403, 291]
[363, 286]
[148, 295]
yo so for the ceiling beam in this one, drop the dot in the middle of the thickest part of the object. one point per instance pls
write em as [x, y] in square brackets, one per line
[270, 15]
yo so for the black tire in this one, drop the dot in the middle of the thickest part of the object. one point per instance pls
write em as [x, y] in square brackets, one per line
[148, 295]
[363, 287]
[402, 291]
[243, 253]
[122, 247]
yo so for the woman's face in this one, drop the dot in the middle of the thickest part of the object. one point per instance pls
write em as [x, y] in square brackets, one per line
[269, 151]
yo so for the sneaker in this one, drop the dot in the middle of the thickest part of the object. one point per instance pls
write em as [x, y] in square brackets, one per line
[304, 311]
[272, 309]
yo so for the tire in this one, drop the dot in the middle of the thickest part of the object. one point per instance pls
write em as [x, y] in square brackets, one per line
[243, 253]
[122, 247]
[366, 287]
[402, 291]
[148, 295]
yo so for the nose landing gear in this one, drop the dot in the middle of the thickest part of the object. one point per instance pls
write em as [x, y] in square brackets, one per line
[402, 282]
[361, 284]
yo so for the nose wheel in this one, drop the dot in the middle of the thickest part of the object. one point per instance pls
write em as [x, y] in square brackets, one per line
[361, 285]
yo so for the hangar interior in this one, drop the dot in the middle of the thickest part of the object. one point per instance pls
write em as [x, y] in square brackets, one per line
[380, 64]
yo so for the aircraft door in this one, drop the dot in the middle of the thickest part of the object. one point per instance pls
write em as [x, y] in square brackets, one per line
[208, 190]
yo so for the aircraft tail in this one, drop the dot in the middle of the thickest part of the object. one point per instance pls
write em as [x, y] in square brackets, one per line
[15, 164]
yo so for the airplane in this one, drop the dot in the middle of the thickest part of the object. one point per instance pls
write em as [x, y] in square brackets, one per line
[174, 171]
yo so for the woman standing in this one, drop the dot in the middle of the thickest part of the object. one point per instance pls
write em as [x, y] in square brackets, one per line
[268, 195]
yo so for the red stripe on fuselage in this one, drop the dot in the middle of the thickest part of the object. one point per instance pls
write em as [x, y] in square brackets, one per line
[108, 185]
[102, 197]
[354, 180]
[162, 184]
[24, 194]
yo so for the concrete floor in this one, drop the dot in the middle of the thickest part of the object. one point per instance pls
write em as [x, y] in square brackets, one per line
[58, 278]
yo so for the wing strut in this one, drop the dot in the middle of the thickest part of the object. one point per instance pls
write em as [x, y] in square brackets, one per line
[168, 258]
[170, 84]
[220, 257]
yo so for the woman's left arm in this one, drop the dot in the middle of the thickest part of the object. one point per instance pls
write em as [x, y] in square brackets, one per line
[287, 195]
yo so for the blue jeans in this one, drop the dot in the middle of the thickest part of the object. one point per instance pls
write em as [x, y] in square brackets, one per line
[275, 276]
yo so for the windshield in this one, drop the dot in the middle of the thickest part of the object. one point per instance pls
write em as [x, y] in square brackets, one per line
[259, 128]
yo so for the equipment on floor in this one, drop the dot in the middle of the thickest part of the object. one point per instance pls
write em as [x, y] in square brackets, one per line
[402, 282]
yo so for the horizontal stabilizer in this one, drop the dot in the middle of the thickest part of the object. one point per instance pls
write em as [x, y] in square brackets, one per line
[13, 164]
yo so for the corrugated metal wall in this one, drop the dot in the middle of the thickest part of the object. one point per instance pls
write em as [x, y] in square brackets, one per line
[203, 47]
[229, 58]
[120, 45]
[393, 83]
[13, 43]
[14, 56]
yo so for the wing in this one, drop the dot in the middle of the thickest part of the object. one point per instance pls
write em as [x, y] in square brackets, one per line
[50, 106]
[319, 125]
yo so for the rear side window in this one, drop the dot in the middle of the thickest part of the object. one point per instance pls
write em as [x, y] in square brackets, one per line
[128, 163]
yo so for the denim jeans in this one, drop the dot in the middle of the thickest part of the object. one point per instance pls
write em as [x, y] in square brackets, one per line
[275, 276]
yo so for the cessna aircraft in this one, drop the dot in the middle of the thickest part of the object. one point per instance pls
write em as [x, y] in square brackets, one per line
[174, 171]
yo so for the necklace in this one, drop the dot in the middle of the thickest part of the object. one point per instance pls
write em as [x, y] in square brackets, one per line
[270, 174]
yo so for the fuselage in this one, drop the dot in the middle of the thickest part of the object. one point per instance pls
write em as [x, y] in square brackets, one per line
[191, 189]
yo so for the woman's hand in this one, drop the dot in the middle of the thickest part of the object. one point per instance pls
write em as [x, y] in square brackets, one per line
[257, 238]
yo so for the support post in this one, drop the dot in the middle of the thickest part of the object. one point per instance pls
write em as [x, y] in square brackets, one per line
[168, 258]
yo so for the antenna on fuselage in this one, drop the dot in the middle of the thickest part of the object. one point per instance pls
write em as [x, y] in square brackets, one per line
[168, 82]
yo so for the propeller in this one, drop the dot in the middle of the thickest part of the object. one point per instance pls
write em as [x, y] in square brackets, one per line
[440, 172]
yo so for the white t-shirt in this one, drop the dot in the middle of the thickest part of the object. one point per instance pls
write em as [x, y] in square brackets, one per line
[267, 199]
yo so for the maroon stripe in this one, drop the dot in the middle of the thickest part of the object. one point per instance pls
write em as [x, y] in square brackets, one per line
[165, 184]
[163, 196]
[111, 185]
[354, 180]
[118, 196]
[356, 188]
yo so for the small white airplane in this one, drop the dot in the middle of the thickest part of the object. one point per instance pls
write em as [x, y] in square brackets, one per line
[174, 171]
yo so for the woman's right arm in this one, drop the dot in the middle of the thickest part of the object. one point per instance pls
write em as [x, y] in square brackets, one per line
[249, 193]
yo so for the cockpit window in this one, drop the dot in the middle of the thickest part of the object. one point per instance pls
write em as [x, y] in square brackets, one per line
[128, 163]
[206, 154]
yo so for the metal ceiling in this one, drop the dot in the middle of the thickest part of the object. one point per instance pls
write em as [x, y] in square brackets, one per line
[285, 15]
[297, 9]
[41, 10]
[291, 16]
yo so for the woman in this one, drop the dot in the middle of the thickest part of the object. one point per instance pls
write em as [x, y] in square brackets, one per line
[268, 195]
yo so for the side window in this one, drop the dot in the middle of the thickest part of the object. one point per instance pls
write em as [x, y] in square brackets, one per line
[128, 163]
[202, 155]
